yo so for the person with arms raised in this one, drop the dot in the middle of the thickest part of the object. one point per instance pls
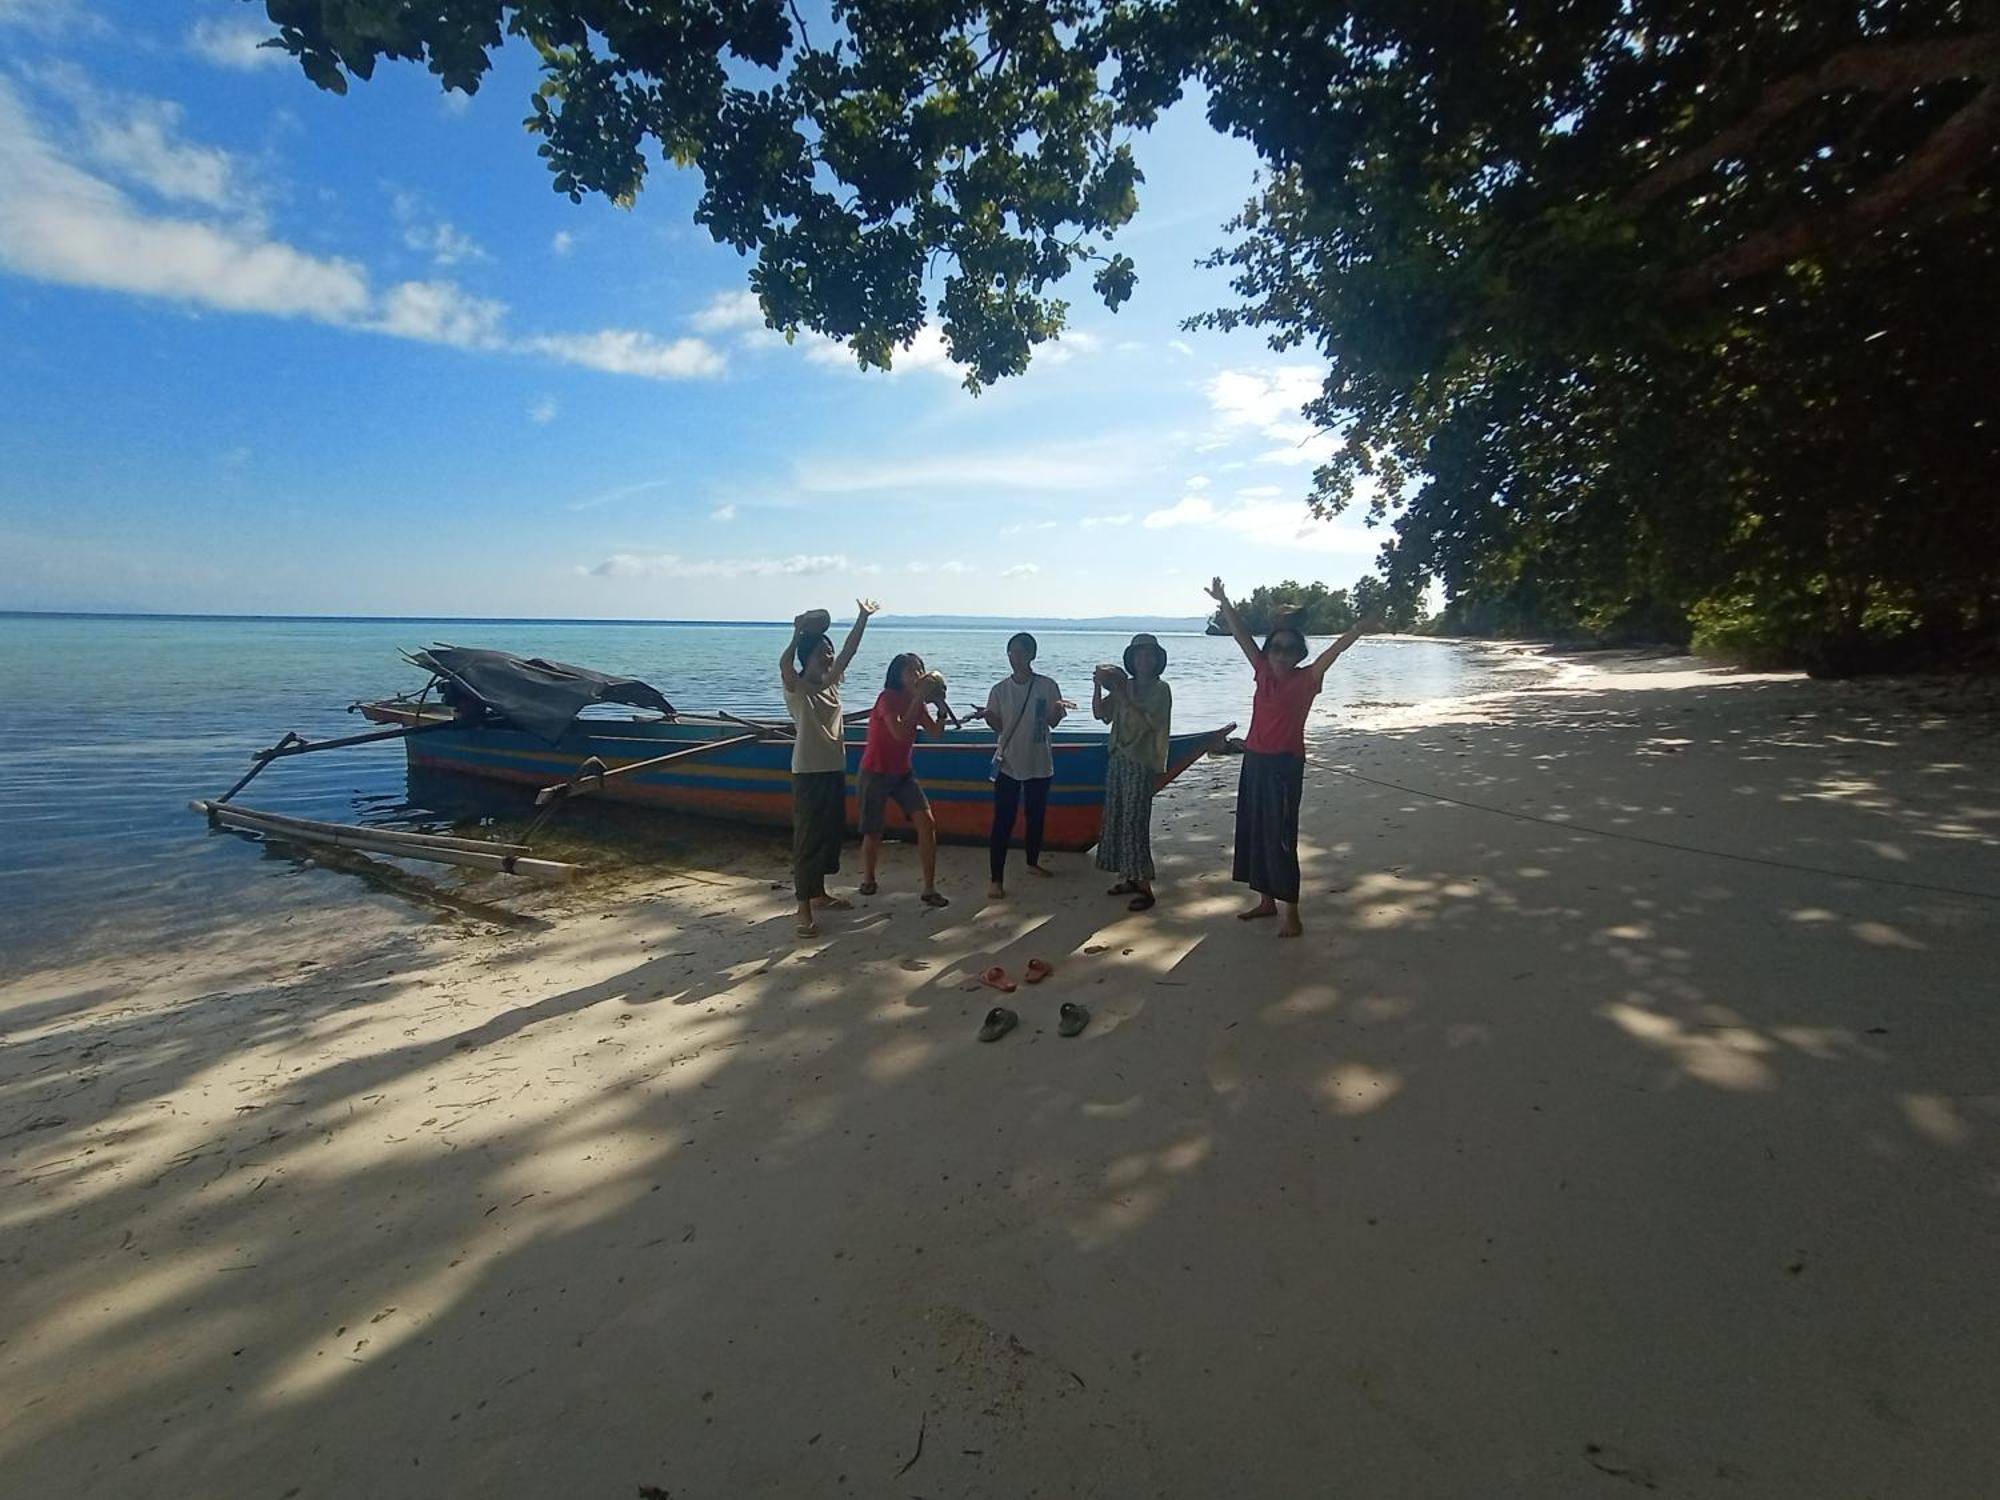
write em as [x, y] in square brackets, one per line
[1274, 759]
[811, 674]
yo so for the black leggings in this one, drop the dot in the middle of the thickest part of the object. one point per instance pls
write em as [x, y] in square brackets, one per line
[1006, 803]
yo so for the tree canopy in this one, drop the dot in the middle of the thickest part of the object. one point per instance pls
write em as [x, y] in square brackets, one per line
[1666, 314]
[1318, 610]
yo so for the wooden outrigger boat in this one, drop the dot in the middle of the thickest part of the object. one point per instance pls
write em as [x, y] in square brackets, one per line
[489, 715]
[746, 777]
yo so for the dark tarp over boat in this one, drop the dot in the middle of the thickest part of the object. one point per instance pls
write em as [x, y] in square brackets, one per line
[539, 697]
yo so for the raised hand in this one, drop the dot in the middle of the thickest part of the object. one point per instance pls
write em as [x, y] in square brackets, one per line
[867, 607]
[1216, 591]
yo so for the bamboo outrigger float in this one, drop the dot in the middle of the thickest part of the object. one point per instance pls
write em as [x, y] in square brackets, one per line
[489, 715]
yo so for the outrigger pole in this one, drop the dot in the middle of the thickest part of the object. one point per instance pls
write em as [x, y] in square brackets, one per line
[480, 854]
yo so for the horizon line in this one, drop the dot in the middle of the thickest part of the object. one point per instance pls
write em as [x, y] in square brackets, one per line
[884, 616]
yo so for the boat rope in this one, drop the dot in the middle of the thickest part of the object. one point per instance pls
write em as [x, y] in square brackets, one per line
[1678, 848]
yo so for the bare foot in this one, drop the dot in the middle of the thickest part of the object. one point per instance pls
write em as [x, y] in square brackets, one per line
[1045, 874]
[833, 903]
[996, 892]
[807, 929]
[1260, 910]
[1291, 926]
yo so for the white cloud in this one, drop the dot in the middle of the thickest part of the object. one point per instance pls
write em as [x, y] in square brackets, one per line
[1106, 464]
[443, 242]
[66, 225]
[563, 243]
[729, 310]
[622, 351]
[1263, 398]
[1122, 519]
[671, 565]
[137, 141]
[623, 492]
[1285, 524]
[455, 102]
[1020, 570]
[926, 352]
[1269, 401]
[543, 411]
[1074, 342]
[48, 17]
[1191, 511]
[723, 513]
[439, 312]
[59, 223]
[233, 44]
[1179, 347]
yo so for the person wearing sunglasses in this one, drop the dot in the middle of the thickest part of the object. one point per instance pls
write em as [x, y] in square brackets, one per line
[1274, 760]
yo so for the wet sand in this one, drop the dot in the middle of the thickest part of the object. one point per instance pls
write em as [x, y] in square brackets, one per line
[1627, 1119]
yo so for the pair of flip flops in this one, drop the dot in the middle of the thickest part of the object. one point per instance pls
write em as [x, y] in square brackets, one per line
[1070, 1020]
[997, 978]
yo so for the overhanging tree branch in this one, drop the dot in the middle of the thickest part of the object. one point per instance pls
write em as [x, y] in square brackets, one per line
[1872, 68]
[1953, 151]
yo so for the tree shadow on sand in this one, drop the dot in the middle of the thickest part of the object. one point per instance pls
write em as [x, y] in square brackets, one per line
[1544, 1158]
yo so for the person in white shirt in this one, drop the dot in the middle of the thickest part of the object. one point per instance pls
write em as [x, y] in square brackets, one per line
[811, 674]
[1021, 710]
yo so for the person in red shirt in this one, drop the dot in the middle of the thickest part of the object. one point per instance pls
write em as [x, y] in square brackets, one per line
[1274, 760]
[899, 715]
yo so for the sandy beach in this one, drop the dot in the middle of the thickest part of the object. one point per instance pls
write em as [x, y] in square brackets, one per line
[1627, 1120]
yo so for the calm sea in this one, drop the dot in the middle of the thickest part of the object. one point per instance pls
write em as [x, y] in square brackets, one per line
[109, 725]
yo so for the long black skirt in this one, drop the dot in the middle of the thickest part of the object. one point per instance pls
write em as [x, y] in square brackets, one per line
[819, 819]
[1267, 824]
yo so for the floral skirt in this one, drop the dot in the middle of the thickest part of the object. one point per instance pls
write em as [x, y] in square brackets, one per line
[1125, 847]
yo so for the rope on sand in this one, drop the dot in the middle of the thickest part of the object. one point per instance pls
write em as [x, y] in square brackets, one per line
[1640, 838]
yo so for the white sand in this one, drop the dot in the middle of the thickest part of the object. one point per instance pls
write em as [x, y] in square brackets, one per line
[1547, 1164]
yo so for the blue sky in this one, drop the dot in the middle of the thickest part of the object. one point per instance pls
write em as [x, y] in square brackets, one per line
[263, 349]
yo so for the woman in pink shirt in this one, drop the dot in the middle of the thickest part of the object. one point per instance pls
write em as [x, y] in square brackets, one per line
[901, 712]
[1274, 761]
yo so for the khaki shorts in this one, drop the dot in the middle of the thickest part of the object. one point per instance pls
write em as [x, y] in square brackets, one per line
[877, 789]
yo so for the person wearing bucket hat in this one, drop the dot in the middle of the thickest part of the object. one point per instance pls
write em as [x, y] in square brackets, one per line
[810, 672]
[1139, 706]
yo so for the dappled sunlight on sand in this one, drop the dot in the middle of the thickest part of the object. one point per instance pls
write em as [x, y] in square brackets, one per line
[1353, 1088]
[1937, 1119]
[1619, 1129]
[1724, 1058]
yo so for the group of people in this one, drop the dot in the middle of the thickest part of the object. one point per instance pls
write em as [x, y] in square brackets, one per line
[1132, 698]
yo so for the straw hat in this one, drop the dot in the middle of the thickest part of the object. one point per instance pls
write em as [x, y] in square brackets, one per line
[1144, 641]
[931, 687]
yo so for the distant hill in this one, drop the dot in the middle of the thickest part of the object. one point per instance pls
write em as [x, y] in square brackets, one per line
[1158, 624]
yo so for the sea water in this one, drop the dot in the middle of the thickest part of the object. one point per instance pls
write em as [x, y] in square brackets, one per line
[109, 725]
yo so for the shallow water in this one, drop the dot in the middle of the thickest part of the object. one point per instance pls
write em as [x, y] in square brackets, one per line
[110, 725]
